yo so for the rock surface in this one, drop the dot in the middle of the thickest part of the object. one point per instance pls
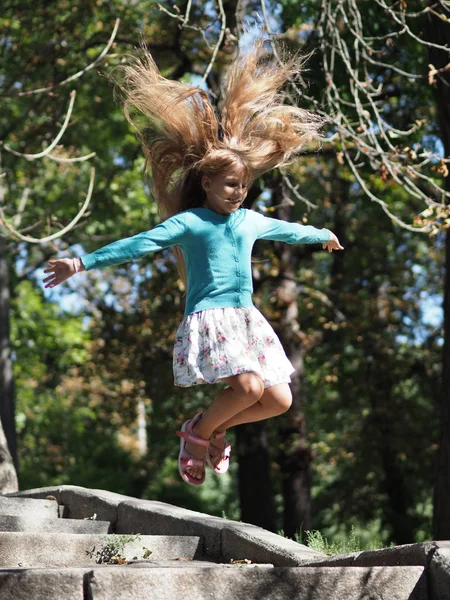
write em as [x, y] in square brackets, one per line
[189, 556]
[215, 582]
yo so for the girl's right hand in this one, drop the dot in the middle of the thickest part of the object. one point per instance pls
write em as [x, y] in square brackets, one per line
[333, 243]
[60, 270]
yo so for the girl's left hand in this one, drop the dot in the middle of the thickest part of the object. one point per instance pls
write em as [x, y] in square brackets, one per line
[332, 244]
[60, 270]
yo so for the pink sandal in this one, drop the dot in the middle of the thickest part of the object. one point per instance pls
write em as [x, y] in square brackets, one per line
[218, 455]
[185, 459]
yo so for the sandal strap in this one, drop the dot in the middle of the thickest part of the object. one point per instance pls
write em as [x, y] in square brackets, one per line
[192, 438]
[222, 452]
[192, 462]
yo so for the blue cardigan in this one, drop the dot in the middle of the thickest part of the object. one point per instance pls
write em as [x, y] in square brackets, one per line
[216, 248]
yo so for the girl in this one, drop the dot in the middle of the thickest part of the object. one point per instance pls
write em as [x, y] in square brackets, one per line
[201, 171]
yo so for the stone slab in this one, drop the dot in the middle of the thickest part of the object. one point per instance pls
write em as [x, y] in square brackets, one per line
[51, 550]
[405, 555]
[22, 584]
[19, 507]
[79, 502]
[131, 515]
[208, 582]
[40, 525]
[243, 541]
[193, 564]
[224, 539]
[158, 518]
[301, 583]
[439, 573]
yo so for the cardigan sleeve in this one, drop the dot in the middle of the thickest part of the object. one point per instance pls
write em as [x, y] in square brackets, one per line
[169, 233]
[292, 233]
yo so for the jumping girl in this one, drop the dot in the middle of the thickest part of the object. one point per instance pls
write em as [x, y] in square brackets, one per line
[201, 170]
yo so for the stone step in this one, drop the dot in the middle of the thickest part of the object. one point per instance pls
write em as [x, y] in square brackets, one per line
[213, 582]
[44, 525]
[22, 549]
[23, 507]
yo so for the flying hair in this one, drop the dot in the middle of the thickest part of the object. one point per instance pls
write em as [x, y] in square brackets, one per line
[182, 138]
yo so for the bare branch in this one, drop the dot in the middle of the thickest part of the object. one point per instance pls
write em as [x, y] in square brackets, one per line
[33, 240]
[187, 13]
[176, 15]
[184, 21]
[371, 137]
[296, 193]
[399, 17]
[383, 204]
[55, 141]
[62, 159]
[96, 62]
[219, 41]
[22, 204]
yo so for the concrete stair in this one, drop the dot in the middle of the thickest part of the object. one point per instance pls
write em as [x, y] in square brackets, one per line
[32, 524]
[22, 549]
[178, 554]
[26, 507]
[208, 582]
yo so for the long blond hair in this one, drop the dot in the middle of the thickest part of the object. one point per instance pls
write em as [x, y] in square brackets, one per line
[183, 140]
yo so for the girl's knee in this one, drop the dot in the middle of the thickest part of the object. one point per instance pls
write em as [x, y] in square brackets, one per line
[280, 398]
[249, 384]
[286, 400]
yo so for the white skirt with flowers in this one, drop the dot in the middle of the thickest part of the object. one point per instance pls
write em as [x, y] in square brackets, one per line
[221, 342]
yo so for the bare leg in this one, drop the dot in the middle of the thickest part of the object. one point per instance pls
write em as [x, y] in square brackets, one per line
[244, 391]
[275, 400]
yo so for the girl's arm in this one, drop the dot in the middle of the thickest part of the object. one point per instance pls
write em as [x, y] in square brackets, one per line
[333, 243]
[169, 233]
[294, 233]
[61, 270]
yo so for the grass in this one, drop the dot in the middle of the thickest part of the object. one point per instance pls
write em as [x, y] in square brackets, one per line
[111, 551]
[315, 540]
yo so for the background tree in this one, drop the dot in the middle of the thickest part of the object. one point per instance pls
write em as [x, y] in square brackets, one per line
[438, 35]
[354, 321]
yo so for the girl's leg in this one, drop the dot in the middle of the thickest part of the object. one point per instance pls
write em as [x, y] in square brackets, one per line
[244, 391]
[275, 400]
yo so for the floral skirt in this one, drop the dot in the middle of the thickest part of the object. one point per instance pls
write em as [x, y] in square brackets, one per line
[221, 342]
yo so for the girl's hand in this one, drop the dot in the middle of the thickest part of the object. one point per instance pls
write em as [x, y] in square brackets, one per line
[332, 244]
[61, 270]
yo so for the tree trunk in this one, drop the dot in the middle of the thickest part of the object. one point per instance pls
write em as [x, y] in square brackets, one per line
[380, 436]
[441, 517]
[441, 513]
[294, 455]
[254, 483]
[439, 33]
[8, 448]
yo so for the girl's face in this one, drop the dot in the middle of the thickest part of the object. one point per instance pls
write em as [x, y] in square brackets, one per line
[225, 192]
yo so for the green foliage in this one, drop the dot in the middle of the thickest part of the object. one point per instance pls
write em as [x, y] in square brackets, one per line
[352, 543]
[111, 551]
[375, 382]
[63, 437]
[372, 364]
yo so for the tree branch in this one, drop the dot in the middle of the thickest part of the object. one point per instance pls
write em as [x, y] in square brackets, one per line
[33, 240]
